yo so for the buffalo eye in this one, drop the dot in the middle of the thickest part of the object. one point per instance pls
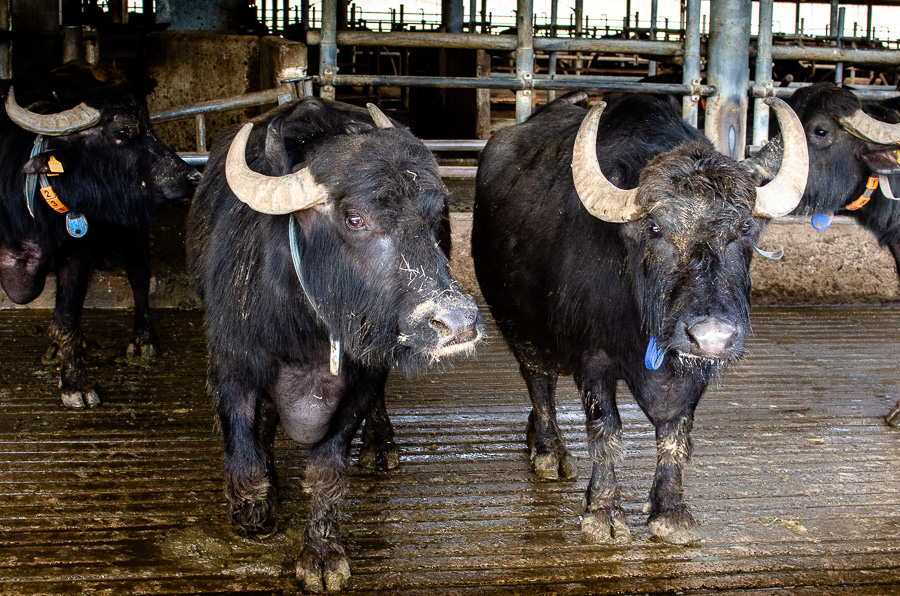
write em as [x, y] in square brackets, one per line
[653, 230]
[124, 134]
[820, 132]
[355, 221]
[747, 227]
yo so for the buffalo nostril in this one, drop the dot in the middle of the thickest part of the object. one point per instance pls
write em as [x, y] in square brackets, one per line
[455, 326]
[711, 338]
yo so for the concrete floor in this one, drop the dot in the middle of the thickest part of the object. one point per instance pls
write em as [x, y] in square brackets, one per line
[795, 479]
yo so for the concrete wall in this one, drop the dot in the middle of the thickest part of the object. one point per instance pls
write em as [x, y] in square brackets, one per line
[195, 66]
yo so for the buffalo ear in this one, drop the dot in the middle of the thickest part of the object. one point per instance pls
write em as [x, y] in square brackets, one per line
[40, 163]
[884, 161]
[275, 149]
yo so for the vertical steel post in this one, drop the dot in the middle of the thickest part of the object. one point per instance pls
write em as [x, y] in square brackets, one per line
[727, 71]
[524, 57]
[763, 72]
[691, 76]
[473, 17]
[838, 42]
[654, 8]
[328, 49]
[551, 66]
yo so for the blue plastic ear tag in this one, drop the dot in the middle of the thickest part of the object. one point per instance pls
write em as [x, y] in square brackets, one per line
[821, 221]
[653, 359]
[76, 224]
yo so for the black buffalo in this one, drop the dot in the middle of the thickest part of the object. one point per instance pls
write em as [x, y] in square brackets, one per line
[82, 172]
[649, 285]
[849, 143]
[320, 267]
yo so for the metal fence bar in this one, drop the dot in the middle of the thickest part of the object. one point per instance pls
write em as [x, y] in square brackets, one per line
[763, 78]
[247, 100]
[524, 58]
[691, 71]
[479, 41]
[857, 56]
[598, 83]
[328, 48]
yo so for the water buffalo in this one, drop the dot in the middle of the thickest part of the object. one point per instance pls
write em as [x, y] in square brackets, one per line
[850, 143]
[320, 265]
[650, 285]
[82, 174]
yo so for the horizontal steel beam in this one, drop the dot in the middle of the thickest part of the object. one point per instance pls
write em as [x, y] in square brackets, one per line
[891, 57]
[247, 100]
[497, 42]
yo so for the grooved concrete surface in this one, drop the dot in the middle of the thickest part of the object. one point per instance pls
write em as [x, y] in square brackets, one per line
[795, 478]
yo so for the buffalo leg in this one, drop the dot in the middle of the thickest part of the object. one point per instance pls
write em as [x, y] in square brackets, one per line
[670, 519]
[67, 338]
[549, 457]
[603, 521]
[248, 421]
[136, 250]
[323, 563]
[379, 451]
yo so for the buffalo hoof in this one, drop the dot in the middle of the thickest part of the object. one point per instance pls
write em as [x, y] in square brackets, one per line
[675, 526]
[379, 456]
[553, 466]
[253, 519]
[81, 399]
[323, 569]
[605, 527]
[141, 353]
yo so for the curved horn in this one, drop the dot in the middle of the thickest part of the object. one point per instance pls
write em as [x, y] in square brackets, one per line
[78, 118]
[381, 121]
[600, 197]
[783, 193]
[275, 195]
[867, 128]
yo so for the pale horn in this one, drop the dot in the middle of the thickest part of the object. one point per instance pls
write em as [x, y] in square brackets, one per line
[600, 197]
[381, 121]
[78, 118]
[783, 193]
[274, 195]
[871, 129]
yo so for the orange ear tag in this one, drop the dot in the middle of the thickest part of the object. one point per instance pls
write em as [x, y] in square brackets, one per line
[55, 166]
[53, 200]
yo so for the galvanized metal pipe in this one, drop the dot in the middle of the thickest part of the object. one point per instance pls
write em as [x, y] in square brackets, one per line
[727, 70]
[599, 83]
[551, 59]
[423, 39]
[328, 49]
[247, 100]
[691, 69]
[524, 58]
[835, 55]
[763, 78]
[839, 33]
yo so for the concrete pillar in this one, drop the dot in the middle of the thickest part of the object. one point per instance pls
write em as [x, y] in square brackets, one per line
[728, 71]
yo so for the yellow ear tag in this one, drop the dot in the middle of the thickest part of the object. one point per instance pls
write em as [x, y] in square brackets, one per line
[55, 166]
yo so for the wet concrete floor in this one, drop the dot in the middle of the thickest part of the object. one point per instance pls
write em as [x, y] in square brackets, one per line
[795, 479]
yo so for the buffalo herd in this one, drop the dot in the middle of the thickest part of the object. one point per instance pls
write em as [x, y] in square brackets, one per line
[611, 243]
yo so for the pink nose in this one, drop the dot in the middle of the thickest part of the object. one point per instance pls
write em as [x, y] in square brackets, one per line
[710, 338]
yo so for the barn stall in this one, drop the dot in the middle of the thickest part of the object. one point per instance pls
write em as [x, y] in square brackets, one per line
[794, 478]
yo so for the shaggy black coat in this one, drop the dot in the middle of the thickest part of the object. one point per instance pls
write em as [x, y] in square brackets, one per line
[116, 173]
[576, 295]
[376, 279]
